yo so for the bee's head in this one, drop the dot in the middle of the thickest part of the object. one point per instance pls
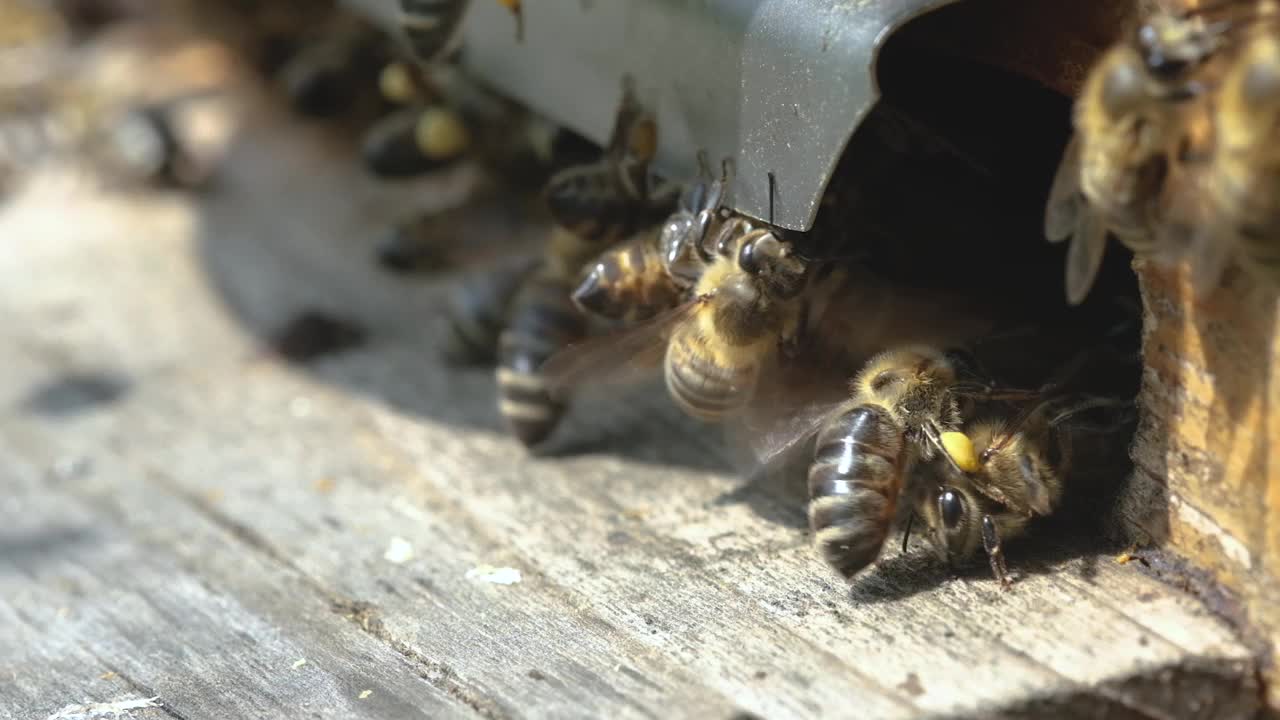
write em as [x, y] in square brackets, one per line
[1173, 47]
[773, 263]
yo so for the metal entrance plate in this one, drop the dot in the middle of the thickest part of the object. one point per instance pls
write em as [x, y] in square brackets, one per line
[777, 85]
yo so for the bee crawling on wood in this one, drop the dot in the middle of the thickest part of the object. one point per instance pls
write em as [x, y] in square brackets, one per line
[1015, 468]
[923, 429]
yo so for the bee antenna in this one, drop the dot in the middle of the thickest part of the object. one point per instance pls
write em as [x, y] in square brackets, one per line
[772, 183]
[906, 534]
[827, 258]
[704, 163]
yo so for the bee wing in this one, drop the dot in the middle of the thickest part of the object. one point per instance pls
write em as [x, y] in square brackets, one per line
[1065, 202]
[1191, 229]
[615, 357]
[1084, 255]
[776, 435]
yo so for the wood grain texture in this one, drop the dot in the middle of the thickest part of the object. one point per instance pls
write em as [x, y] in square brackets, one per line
[219, 515]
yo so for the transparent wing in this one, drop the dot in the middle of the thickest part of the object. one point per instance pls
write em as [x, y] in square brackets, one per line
[1084, 256]
[1065, 203]
[794, 398]
[616, 357]
[773, 436]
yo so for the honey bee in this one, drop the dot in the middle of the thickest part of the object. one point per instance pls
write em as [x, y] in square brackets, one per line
[1013, 470]
[630, 282]
[431, 25]
[609, 200]
[1241, 184]
[541, 320]
[334, 71]
[746, 306]
[905, 409]
[142, 143]
[477, 311]
[1128, 121]
[592, 204]
[652, 271]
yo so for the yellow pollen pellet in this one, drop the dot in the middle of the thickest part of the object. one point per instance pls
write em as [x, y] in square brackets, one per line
[442, 134]
[960, 448]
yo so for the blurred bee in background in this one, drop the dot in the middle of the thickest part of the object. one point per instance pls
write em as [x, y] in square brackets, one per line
[1129, 119]
[591, 205]
[415, 140]
[332, 68]
[69, 104]
[477, 312]
[1236, 196]
[609, 200]
[431, 26]
[1016, 467]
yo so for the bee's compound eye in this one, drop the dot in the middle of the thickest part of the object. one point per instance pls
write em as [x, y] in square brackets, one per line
[748, 258]
[951, 508]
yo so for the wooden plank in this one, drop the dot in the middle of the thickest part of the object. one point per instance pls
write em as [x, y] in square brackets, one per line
[651, 578]
[1207, 481]
[103, 605]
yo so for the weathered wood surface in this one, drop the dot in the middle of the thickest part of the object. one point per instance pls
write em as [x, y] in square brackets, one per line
[187, 519]
[1207, 480]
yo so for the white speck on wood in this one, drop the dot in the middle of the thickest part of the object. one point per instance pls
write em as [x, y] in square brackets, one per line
[495, 575]
[399, 551]
[115, 708]
[299, 663]
[365, 693]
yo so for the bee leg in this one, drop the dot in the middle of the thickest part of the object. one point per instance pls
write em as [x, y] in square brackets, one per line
[995, 553]
[791, 341]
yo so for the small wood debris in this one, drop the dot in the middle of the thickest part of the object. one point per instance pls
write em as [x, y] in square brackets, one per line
[113, 709]
[399, 551]
[365, 693]
[299, 663]
[1130, 555]
[495, 575]
[108, 675]
[325, 485]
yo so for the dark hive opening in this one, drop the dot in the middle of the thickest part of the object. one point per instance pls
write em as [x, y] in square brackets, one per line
[944, 186]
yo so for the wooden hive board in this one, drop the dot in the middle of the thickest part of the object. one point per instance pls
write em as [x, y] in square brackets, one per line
[188, 519]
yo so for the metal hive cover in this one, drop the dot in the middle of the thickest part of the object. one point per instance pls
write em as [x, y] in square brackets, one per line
[778, 85]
